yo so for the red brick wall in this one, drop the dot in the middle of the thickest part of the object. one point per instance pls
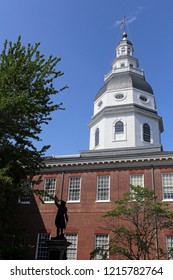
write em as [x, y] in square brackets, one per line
[85, 218]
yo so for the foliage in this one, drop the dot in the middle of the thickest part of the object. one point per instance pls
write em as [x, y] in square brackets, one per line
[26, 87]
[27, 81]
[136, 222]
[99, 252]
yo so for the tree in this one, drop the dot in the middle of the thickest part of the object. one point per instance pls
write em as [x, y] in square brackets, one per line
[136, 222]
[26, 90]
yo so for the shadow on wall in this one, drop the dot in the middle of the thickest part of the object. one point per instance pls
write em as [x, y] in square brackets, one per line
[29, 224]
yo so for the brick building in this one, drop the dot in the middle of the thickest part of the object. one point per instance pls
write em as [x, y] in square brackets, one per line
[125, 148]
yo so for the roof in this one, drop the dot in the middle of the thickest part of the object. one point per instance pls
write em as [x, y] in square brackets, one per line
[125, 80]
[111, 159]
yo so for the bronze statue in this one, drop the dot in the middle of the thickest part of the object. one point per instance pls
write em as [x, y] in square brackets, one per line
[61, 217]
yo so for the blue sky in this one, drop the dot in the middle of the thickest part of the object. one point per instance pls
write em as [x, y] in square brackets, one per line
[84, 34]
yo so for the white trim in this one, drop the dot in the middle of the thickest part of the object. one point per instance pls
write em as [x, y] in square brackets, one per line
[100, 201]
[73, 201]
[48, 202]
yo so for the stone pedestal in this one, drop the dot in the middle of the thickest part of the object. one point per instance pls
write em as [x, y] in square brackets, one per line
[57, 249]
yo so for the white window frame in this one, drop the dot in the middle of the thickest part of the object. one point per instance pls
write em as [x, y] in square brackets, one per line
[42, 247]
[121, 135]
[137, 182]
[101, 241]
[74, 189]
[72, 249]
[169, 246]
[51, 191]
[103, 187]
[169, 186]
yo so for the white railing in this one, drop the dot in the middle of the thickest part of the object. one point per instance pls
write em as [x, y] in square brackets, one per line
[123, 69]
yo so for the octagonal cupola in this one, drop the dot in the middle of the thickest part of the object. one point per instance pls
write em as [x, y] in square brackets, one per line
[125, 113]
[124, 57]
[125, 47]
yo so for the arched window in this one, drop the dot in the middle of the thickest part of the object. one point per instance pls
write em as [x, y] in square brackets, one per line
[119, 127]
[97, 132]
[146, 133]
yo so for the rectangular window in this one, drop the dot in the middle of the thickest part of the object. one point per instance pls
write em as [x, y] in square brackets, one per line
[72, 249]
[26, 192]
[103, 188]
[49, 188]
[167, 185]
[102, 244]
[137, 180]
[169, 247]
[74, 189]
[42, 247]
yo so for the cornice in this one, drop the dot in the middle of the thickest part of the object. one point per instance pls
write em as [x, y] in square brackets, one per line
[131, 108]
[104, 161]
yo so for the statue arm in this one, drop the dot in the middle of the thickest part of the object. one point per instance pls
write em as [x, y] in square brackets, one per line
[56, 201]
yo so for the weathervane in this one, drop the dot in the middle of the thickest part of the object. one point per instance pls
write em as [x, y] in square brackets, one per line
[123, 23]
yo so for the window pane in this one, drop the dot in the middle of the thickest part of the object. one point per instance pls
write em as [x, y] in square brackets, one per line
[72, 249]
[97, 137]
[137, 180]
[74, 189]
[167, 185]
[119, 127]
[102, 241]
[103, 187]
[146, 132]
[42, 247]
[169, 247]
[49, 187]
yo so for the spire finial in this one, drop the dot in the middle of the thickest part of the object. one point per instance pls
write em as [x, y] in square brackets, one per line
[124, 35]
